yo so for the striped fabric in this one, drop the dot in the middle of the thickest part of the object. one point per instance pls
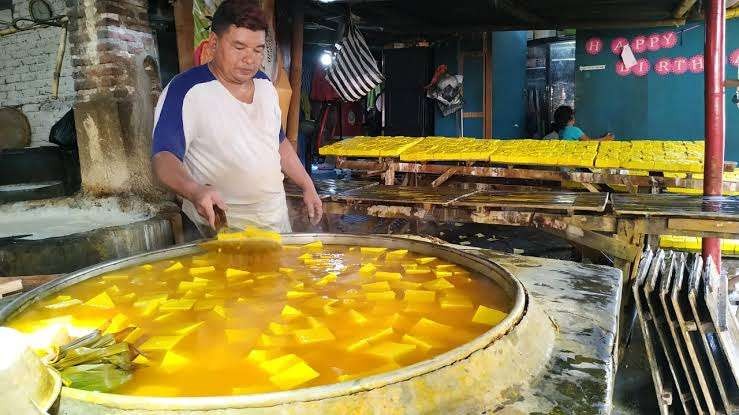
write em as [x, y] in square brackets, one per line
[354, 71]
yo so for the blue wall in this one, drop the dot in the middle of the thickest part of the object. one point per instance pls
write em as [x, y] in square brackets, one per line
[509, 84]
[667, 107]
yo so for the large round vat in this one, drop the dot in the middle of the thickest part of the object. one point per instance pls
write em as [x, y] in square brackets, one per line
[480, 375]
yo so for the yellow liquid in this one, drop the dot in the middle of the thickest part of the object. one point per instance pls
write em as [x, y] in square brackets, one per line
[222, 331]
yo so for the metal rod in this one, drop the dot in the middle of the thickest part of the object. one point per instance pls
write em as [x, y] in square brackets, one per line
[715, 56]
[59, 60]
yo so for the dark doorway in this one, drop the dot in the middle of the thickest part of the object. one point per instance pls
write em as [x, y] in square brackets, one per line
[407, 110]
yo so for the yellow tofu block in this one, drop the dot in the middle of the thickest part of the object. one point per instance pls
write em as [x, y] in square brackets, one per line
[278, 329]
[175, 267]
[278, 364]
[190, 328]
[391, 350]
[117, 323]
[234, 336]
[357, 317]
[286, 271]
[266, 340]
[425, 260]
[115, 277]
[294, 376]
[305, 256]
[397, 254]
[330, 277]
[207, 304]
[219, 310]
[418, 271]
[290, 313]
[443, 273]
[134, 336]
[367, 269]
[428, 327]
[419, 296]
[320, 302]
[405, 285]
[240, 284]
[371, 250]
[141, 360]
[258, 356]
[422, 344]
[149, 308]
[185, 286]
[63, 304]
[388, 276]
[314, 335]
[267, 275]
[173, 362]
[313, 322]
[454, 303]
[422, 309]
[202, 270]
[233, 274]
[380, 295]
[165, 317]
[438, 284]
[160, 343]
[376, 286]
[127, 298]
[291, 295]
[313, 246]
[357, 345]
[101, 300]
[145, 301]
[379, 335]
[489, 316]
[146, 267]
[182, 304]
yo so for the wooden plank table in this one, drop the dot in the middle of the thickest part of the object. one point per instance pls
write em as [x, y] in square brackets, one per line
[698, 207]
[405, 194]
[569, 201]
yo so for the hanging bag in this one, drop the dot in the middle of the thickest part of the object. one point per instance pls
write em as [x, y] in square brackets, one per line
[354, 72]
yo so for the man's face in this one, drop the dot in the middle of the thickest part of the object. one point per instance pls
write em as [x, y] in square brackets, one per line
[239, 52]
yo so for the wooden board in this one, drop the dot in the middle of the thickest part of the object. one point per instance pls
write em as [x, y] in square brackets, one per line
[327, 187]
[595, 202]
[405, 194]
[676, 205]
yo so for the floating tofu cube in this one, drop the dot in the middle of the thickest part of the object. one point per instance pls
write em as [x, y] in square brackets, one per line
[173, 362]
[489, 316]
[397, 254]
[314, 335]
[200, 262]
[426, 260]
[320, 302]
[379, 335]
[438, 284]
[299, 294]
[428, 327]
[380, 295]
[357, 345]
[63, 304]
[146, 267]
[305, 256]
[313, 246]
[134, 336]
[278, 364]
[419, 296]
[174, 267]
[241, 335]
[202, 270]
[290, 313]
[422, 344]
[266, 340]
[101, 300]
[160, 343]
[145, 301]
[142, 360]
[314, 322]
[278, 329]
[267, 275]
[388, 276]
[419, 308]
[117, 323]
[367, 269]
[294, 376]
[190, 328]
[286, 271]
[405, 285]
[127, 298]
[376, 286]
[442, 273]
[219, 310]
[115, 277]
[330, 277]
[207, 304]
[367, 250]
[391, 350]
[185, 286]
[182, 304]
[357, 317]
[240, 284]
[233, 274]
[258, 355]
[418, 271]
[454, 303]
[401, 322]
[165, 317]
[445, 267]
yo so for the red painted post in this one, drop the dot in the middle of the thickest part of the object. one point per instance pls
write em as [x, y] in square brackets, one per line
[715, 58]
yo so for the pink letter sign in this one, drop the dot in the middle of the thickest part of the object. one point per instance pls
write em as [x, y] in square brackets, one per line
[663, 66]
[594, 45]
[618, 44]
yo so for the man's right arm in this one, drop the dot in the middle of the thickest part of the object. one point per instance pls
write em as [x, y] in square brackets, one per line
[172, 173]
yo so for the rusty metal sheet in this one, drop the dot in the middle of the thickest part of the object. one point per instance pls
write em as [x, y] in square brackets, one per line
[726, 207]
[651, 294]
[720, 371]
[405, 194]
[663, 384]
[327, 187]
[595, 202]
[691, 336]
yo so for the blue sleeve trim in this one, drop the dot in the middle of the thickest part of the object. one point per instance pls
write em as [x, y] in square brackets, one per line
[282, 135]
[169, 132]
[261, 75]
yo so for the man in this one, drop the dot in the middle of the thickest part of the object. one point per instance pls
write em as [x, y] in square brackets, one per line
[217, 137]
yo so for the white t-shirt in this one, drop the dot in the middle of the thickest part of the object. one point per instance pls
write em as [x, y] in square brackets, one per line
[223, 142]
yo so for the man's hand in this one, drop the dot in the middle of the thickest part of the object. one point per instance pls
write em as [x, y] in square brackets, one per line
[313, 204]
[204, 198]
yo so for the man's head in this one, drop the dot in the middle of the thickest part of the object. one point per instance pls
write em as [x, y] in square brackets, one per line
[238, 32]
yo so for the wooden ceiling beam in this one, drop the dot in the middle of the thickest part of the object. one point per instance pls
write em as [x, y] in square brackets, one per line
[683, 8]
[513, 10]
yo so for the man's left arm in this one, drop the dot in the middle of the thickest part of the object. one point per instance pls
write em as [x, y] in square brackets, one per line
[294, 170]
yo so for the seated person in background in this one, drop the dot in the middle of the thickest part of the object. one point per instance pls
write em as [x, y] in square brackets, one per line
[564, 128]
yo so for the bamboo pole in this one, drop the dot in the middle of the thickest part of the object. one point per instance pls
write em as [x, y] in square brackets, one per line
[59, 60]
[185, 28]
[296, 73]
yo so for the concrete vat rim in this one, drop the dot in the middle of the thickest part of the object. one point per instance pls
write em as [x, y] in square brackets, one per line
[481, 266]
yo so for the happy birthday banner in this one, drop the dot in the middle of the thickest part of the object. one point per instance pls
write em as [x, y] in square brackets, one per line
[654, 42]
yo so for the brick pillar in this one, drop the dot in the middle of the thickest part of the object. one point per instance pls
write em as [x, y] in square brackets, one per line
[114, 58]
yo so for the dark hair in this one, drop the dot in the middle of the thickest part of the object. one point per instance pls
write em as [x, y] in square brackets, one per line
[240, 13]
[562, 115]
